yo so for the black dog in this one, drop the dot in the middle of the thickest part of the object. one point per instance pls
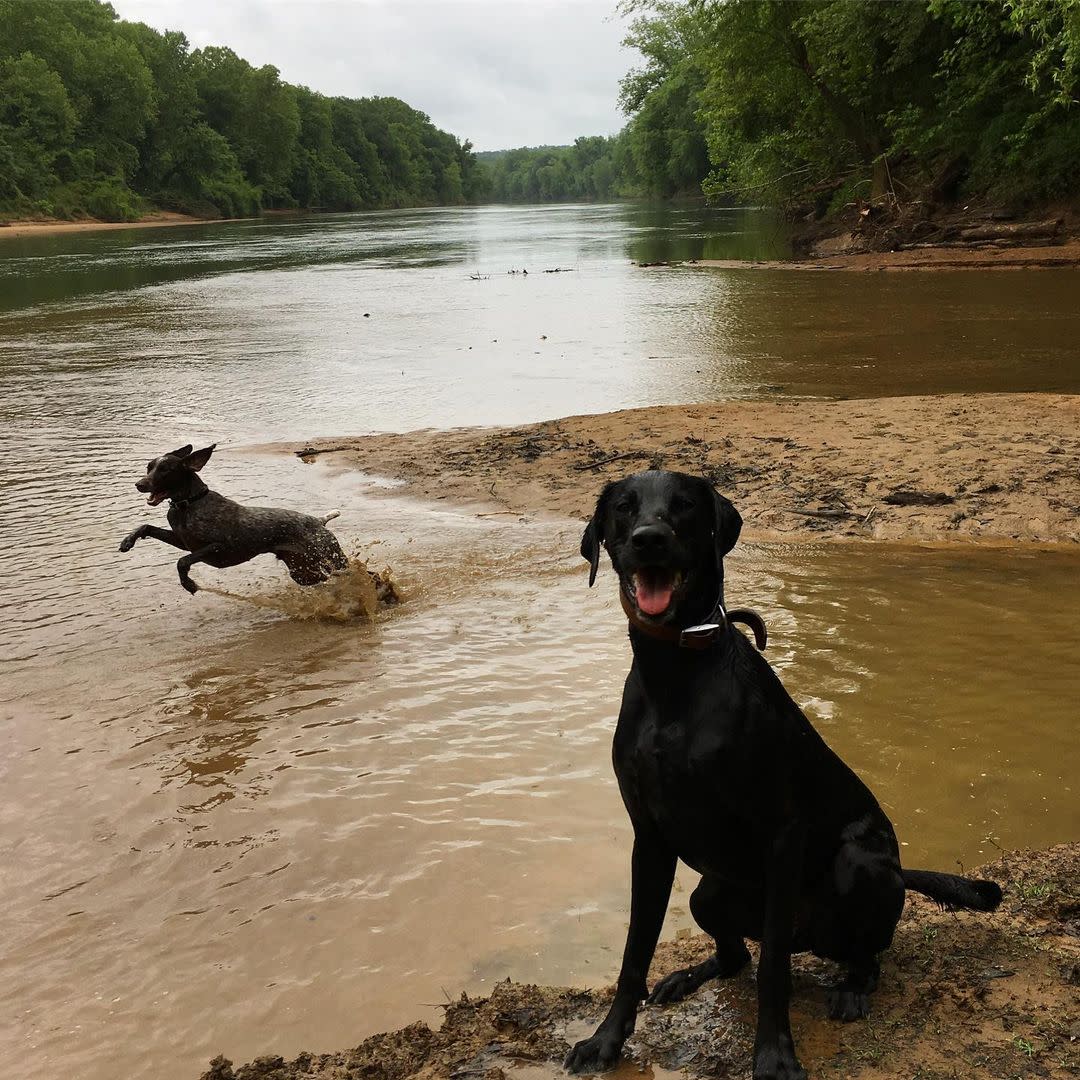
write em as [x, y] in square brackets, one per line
[220, 532]
[719, 767]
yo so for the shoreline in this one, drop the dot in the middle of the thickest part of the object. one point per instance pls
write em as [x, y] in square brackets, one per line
[159, 220]
[1002, 985]
[941, 258]
[955, 468]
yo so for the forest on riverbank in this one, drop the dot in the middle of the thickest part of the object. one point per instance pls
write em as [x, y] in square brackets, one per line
[813, 105]
[817, 103]
[110, 118]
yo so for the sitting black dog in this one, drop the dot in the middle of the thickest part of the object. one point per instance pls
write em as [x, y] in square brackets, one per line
[220, 532]
[719, 767]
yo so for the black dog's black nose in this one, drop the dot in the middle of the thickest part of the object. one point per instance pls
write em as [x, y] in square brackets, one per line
[141, 485]
[650, 538]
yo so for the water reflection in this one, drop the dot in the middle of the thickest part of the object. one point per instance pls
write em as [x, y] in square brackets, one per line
[224, 828]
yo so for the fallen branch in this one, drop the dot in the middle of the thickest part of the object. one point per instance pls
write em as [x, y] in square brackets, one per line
[311, 451]
[1006, 231]
[608, 460]
[819, 513]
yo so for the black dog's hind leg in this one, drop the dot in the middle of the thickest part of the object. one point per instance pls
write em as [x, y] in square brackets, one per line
[849, 999]
[652, 872]
[856, 914]
[710, 904]
[188, 561]
[166, 536]
[774, 1049]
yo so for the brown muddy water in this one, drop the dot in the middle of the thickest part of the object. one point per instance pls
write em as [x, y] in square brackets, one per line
[229, 825]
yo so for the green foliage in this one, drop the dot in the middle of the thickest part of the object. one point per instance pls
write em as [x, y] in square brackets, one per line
[36, 123]
[103, 117]
[593, 169]
[798, 100]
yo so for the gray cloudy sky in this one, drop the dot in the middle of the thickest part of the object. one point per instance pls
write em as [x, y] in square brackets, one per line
[500, 72]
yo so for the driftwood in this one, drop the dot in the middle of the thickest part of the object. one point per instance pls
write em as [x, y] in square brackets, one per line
[311, 451]
[918, 498]
[1022, 230]
[819, 513]
[606, 460]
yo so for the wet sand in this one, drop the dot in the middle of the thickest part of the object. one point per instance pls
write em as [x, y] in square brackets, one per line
[986, 468]
[961, 994]
[51, 226]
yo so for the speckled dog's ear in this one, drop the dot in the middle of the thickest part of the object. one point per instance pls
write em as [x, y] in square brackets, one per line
[727, 526]
[197, 460]
[593, 537]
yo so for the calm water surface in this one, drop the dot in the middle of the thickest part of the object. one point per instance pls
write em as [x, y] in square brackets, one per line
[225, 828]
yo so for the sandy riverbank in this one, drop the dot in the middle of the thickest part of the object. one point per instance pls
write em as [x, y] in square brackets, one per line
[1058, 256]
[961, 996]
[49, 227]
[990, 468]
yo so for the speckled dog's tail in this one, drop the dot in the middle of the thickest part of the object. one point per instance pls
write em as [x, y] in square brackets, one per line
[952, 891]
[330, 517]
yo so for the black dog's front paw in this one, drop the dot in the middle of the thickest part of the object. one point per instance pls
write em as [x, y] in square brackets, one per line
[846, 1004]
[594, 1055]
[777, 1062]
[190, 585]
[128, 542]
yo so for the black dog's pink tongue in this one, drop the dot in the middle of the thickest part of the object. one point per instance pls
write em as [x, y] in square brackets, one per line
[653, 590]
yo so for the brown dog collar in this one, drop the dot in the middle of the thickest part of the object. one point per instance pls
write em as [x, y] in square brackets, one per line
[705, 634]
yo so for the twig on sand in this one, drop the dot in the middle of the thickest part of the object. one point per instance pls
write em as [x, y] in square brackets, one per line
[607, 460]
[311, 451]
[819, 513]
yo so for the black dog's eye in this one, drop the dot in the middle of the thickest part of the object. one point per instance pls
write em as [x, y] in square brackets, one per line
[681, 505]
[624, 505]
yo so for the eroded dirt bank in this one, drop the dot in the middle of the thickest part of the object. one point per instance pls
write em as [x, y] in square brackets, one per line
[960, 467]
[961, 996]
[931, 257]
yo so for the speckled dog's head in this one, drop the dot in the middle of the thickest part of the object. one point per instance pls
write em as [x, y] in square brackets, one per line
[172, 476]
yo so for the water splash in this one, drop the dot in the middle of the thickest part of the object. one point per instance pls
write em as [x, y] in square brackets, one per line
[355, 593]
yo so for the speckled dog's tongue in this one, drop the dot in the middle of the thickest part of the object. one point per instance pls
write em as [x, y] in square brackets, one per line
[653, 589]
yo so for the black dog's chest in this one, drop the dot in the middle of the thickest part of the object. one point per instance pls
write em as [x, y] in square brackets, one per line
[691, 781]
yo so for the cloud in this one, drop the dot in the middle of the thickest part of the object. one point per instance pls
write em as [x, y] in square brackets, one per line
[507, 73]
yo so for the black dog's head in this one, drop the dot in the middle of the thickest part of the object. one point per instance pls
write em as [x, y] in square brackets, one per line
[172, 476]
[667, 534]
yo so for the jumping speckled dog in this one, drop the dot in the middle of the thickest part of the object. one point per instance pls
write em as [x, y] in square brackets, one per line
[217, 531]
[719, 767]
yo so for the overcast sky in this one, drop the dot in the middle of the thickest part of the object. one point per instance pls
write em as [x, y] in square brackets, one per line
[502, 73]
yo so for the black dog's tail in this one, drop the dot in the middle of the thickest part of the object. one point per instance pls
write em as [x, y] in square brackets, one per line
[952, 891]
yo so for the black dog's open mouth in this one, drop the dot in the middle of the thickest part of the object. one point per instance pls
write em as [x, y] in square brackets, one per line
[155, 497]
[653, 589]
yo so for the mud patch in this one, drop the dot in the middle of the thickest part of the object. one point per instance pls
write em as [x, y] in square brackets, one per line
[355, 593]
[962, 995]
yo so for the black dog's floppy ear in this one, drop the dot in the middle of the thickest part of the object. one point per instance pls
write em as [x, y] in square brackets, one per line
[182, 452]
[593, 537]
[727, 526]
[197, 460]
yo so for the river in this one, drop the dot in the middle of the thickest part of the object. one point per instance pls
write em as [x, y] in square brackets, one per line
[228, 828]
